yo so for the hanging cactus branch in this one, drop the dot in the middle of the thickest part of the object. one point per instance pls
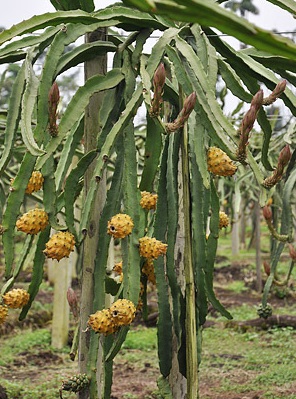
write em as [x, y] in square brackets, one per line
[284, 158]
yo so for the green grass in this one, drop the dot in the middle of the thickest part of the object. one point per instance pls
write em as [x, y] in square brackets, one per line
[25, 341]
[141, 338]
[267, 358]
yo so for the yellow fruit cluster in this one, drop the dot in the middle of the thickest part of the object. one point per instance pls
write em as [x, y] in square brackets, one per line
[151, 247]
[148, 200]
[60, 245]
[223, 220]
[16, 298]
[33, 221]
[219, 163]
[107, 321]
[120, 225]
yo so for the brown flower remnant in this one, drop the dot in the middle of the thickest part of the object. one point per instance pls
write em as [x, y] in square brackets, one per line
[284, 158]
[158, 84]
[247, 125]
[279, 89]
[188, 107]
[53, 101]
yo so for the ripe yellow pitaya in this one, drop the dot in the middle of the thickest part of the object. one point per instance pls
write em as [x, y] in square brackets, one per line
[33, 221]
[16, 298]
[60, 245]
[123, 312]
[148, 200]
[219, 163]
[120, 225]
[102, 322]
[151, 247]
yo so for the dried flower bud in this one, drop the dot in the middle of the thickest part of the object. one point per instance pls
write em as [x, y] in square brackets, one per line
[284, 158]
[266, 266]
[247, 125]
[54, 94]
[73, 302]
[292, 252]
[53, 101]
[279, 89]
[267, 213]
[158, 83]
[159, 76]
[188, 107]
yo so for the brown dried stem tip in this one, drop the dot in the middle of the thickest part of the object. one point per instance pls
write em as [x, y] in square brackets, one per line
[284, 158]
[268, 217]
[73, 302]
[279, 89]
[53, 101]
[247, 125]
[292, 252]
[188, 107]
[158, 84]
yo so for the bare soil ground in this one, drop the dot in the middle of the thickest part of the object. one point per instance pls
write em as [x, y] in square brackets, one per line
[130, 381]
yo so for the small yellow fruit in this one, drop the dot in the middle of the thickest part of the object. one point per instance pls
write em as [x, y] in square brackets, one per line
[219, 162]
[3, 313]
[148, 270]
[151, 247]
[123, 312]
[16, 298]
[35, 183]
[60, 245]
[120, 225]
[118, 269]
[33, 221]
[148, 200]
[223, 220]
[102, 322]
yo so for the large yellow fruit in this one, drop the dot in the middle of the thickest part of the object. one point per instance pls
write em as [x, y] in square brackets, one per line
[151, 247]
[16, 298]
[123, 312]
[60, 245]
[120, 225]
[102, 322]
[219, 163]
[33, 221]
